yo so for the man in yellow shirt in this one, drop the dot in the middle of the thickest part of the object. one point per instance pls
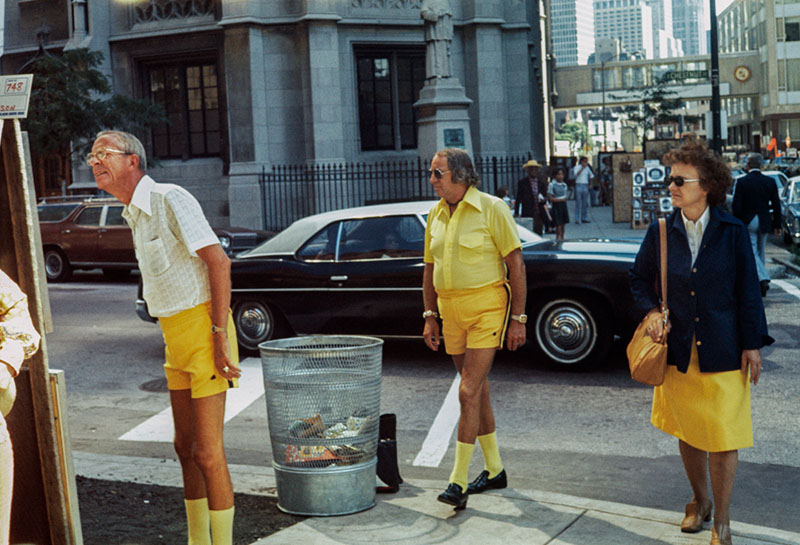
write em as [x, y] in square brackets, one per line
[473, 266]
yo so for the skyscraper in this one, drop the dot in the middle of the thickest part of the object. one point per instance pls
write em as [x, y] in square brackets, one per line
[631, 21]
[688, 25]
[572, 28]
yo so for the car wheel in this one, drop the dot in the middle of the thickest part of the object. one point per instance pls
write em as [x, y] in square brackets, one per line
[256, 322]
[56, 266]
[571, 333]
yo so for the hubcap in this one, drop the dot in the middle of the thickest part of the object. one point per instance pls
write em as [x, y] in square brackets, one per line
[53, 264]
[566, 331]
[255, 323]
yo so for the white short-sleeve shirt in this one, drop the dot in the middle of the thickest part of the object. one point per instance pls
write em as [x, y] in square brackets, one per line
[169, 227]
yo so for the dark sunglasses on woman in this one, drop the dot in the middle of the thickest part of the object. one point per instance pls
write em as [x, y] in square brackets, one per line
[679, 180]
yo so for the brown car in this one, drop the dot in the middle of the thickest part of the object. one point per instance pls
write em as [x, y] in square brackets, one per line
[90, 232]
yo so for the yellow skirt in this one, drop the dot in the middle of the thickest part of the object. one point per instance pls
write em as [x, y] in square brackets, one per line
[709, 411]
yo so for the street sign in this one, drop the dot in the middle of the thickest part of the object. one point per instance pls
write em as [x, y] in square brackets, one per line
[679, 75]
[15, 92]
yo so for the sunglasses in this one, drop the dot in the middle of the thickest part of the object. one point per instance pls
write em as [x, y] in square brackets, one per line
[102, 153]
[439, 173]
[679, 180]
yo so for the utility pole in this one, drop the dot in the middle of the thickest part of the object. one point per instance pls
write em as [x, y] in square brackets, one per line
[716, 101]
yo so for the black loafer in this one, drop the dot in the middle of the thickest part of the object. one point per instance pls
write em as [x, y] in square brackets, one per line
[454, 496]
[483, 482]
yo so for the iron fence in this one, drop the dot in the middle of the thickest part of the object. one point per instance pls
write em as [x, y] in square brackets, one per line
[291, 192]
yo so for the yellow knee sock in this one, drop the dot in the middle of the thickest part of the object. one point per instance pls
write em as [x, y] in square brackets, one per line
[491, 454]
[197, 521]
[463, 458]
[222, 526]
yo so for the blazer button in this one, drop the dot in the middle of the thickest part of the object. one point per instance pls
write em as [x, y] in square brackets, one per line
[699, 343]
[694, 270]
[696, 319]
[691, 293]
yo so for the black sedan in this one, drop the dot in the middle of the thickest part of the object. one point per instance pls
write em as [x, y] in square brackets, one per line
[790, 203]
[359, 271]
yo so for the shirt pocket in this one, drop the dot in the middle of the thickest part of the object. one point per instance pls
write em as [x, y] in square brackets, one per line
[155, 257]
[470, 248]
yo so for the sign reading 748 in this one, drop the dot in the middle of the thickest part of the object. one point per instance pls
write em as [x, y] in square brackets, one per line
[15, 93]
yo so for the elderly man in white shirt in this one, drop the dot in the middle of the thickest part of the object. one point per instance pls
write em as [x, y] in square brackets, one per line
[186, 281]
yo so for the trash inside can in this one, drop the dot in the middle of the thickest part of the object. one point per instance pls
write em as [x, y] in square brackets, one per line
[323, 403]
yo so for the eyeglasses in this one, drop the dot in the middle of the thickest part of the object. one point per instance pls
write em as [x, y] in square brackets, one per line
[679, 180]
[439, 173]
[102, 153]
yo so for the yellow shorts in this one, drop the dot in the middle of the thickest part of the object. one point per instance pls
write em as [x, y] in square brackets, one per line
[475, 318]
[189, 352]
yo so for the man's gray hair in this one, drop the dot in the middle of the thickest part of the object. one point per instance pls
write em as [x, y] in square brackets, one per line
[755, 160]
[460, 165]
[129, 144]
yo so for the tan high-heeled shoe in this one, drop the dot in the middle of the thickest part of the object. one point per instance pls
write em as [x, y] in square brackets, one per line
[721, 538]
[695, 516]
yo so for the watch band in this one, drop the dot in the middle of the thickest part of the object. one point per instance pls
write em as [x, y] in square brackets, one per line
[215, 329]
[521, 318]
[429, 313]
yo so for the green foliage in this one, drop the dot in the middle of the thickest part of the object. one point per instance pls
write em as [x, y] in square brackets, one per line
[657, 104]
[70, 104]
[577, 134]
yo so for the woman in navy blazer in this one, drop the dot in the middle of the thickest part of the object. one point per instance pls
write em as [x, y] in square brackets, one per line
[716, 329]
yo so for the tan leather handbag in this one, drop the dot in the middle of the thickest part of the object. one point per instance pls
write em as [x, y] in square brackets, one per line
[648, 359]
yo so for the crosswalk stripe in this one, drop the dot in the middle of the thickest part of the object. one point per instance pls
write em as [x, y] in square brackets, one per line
[438, 439]
[787, 287]
[160, 429]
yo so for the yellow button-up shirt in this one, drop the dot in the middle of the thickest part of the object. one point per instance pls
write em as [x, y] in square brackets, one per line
[468, 248]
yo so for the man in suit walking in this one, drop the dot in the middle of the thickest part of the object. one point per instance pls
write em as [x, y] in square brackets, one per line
[531, 197]
[755, 194]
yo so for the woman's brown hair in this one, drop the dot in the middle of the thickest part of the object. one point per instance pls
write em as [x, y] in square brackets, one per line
[715, 176]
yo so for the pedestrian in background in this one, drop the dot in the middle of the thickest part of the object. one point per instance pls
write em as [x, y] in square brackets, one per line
[716, 328]
[606, 176]
[753, 198]
[186, 283]
[531, 201]
[557, 194]
[470, 241]
[502, 193]
[583, 175]
[19, 341]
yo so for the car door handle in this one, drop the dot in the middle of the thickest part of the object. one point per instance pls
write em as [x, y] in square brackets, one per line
[102, 230]
[338, 278]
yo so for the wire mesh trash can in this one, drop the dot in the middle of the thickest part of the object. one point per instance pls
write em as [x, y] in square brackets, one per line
[323, 402]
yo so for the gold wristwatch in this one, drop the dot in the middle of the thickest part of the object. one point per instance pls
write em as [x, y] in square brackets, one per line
[429, 313]
[521, 318]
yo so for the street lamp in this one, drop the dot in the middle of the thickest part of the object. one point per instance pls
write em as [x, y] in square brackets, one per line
[603, 80]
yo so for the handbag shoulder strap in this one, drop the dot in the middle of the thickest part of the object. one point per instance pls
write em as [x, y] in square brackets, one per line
[662, 229]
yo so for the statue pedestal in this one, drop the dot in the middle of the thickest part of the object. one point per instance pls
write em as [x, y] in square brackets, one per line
[442, 117]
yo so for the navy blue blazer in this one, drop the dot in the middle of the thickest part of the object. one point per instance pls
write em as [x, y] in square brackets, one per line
[717, 301]
[755, 194]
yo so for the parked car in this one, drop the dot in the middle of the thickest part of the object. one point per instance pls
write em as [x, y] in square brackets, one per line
[790, 206]
[781, 180]
[359, 271]
[90, 232]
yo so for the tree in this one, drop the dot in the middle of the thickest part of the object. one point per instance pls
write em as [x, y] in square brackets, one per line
[577, 134]
[70, 102]
[656, 104]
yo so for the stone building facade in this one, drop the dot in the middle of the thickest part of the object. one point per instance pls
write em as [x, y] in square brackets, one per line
[251, 84]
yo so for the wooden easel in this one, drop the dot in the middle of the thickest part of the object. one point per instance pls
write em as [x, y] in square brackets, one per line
[45, 506]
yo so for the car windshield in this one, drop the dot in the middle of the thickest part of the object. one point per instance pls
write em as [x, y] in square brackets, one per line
[795, 195]
[55, 212]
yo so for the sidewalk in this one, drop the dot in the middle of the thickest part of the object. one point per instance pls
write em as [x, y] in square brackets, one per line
[414, 517]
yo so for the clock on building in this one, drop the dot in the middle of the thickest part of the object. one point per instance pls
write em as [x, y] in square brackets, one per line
[742, 73]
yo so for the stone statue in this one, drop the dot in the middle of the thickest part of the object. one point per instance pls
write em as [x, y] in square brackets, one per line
[438, 36]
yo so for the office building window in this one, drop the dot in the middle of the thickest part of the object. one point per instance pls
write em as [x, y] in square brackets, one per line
[189, 93]
[388, 85]
[792, 29]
